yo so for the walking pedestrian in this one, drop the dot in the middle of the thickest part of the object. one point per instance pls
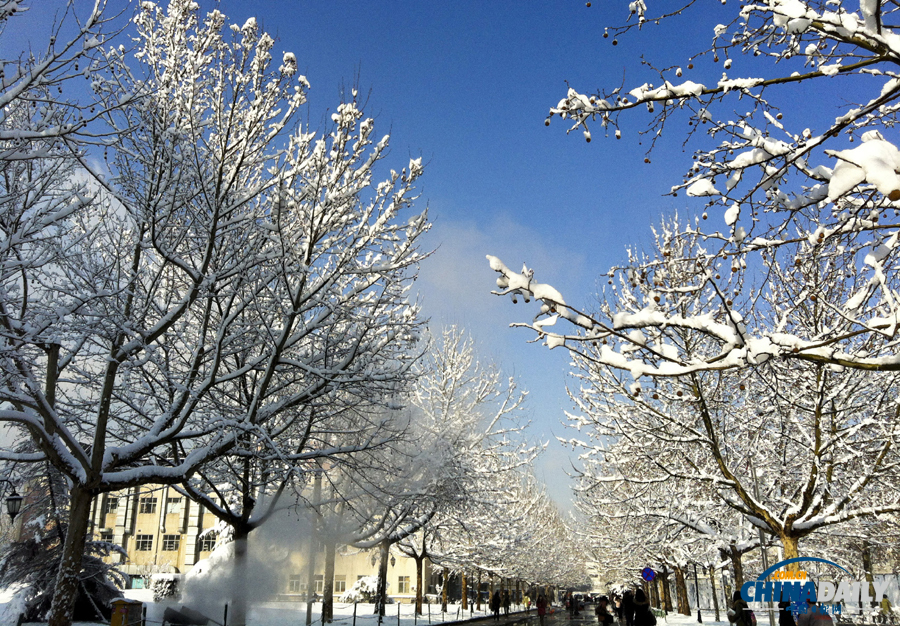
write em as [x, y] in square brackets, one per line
[617, 609]
[505, 602]
[602, 611]
[641, 613]
[542, 609]
[628, 607]
[495, 606]
[785, 615]
[739, 613]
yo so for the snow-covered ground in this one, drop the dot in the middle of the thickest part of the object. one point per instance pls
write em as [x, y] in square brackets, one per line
[281, 613]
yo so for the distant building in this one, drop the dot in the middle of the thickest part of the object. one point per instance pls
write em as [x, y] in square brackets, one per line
[161, 531]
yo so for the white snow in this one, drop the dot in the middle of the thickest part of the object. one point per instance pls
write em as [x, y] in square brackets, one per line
[876, 161]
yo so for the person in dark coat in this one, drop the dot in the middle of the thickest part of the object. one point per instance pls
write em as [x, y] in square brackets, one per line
[495, 606]
[506, 602]
[542, 608]
[628, 607]
[739, 613]
[641, 614]
[785, 615]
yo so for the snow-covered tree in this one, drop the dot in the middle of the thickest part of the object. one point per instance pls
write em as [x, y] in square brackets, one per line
[228, 269]
[729, 434]
[787, 196]
[466, 435]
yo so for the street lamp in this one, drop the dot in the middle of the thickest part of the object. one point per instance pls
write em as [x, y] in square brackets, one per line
[373, 559]
[13, 501]
[393, 560]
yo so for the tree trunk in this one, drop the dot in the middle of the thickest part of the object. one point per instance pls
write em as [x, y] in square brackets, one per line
[684, 604]
[738, 566]
[666, 593]
[791, 550]
[445, 575]
[237, 615]
[478, 592]
[313, 547]
[311, 575]
[465, 591]
[328, 583]
[867, 571]
[712, 581]
[654, 593]
[66, 589]
[419, 565]
[384, 549]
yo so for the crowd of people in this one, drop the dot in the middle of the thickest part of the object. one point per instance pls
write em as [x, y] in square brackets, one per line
[632, 608]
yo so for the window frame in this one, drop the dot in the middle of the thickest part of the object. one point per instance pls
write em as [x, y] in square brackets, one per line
[143, 543]
[171, 540]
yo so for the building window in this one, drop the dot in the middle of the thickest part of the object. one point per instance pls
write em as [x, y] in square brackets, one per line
[402, 584]
[173, 505]
[111, 505]
[171, 543]
[208, 542]
[106, 536]
[294, 584]
[148, 505]
[143, 543]
[340, 584]
[320, 583]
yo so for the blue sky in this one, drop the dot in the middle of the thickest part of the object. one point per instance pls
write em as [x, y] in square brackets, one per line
[467, 85]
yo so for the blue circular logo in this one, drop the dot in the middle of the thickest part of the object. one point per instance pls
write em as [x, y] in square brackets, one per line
[648, 574]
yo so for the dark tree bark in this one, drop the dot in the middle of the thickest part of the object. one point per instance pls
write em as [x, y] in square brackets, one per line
[73, 551]
[681, 594]
[384, 549]
[712, 581]
[666, 592]
[328, 584]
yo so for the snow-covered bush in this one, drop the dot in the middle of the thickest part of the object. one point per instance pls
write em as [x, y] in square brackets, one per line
[363, 590]
[164, 587]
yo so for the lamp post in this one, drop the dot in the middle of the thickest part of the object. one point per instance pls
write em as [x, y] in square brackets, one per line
[697, 595]
[13, 501]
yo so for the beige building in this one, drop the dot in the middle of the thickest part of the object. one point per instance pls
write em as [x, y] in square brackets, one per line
[161, 531]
